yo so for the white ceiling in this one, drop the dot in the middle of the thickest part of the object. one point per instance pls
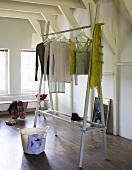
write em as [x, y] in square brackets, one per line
[49, 10]
[34, 10]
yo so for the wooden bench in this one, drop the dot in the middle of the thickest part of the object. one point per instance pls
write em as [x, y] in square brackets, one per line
[25, 103]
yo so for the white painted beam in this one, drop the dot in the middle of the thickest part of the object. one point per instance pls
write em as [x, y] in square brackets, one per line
[68, 14]
[42, 24]
[92, 18]
[15, 14]
[97, 13]
[53, 23]
[35, 25]
[108, 35]
[68, 3]
[85, 2]
[116, 113]
[124, 64]
[128, 4]
[109, 38]
[29, 7]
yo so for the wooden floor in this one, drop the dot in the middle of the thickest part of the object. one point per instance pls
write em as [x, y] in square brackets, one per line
[61, 152]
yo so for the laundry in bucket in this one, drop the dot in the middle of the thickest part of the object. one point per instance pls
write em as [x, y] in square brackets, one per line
[35, 143]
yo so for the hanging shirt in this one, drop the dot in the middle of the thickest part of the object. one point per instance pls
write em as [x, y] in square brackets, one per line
[59, 71]
[97, 60]
[72, 58]
[40, 53]
[56, 87]
[59, 62]
[82, 58]
[46, 59]
[73, 61]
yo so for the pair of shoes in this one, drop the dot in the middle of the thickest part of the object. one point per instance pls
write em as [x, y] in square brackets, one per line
[11, 122]
[75, 117]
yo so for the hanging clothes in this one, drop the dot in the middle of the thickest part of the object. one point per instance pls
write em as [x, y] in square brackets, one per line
[59, 62]
[56, 87]
[40, 53]
[97, 60]
[82, 58]
[73, 61]
[72, 58]
[59, 73]
[46, 59]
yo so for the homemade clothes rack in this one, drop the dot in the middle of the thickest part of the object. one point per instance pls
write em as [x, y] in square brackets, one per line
[84, 125]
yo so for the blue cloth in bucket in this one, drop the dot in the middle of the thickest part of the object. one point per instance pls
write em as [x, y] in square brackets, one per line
[35, 143]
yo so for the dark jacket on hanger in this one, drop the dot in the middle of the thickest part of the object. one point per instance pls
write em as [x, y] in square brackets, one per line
[40, 51]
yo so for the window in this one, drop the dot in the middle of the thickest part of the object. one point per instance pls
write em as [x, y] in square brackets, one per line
[28, 60]
[3, 71]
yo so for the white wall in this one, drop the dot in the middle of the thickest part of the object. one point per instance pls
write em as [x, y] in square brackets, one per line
[125, 78]
[125, 117]
[15, 34]
[125, 81]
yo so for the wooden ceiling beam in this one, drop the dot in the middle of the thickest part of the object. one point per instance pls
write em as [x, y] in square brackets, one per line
[29, 7]
[108, 35]
[71, 19]
[68, 3]
[22, 15]
[128, 4]
[35, 25]
[53, 23]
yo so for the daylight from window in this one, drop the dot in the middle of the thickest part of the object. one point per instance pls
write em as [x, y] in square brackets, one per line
[3, 70]
[28, 83]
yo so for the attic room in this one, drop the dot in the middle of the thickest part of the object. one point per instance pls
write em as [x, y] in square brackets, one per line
[26, 23]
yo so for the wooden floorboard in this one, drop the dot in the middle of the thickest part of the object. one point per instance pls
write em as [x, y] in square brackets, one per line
[61, 152]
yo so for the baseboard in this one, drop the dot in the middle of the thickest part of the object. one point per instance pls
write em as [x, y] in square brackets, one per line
[4, 112]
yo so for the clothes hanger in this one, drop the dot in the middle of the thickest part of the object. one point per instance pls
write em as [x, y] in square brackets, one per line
[47, 40]
[82, 34]
[79, 43]
[53, 38]
[63, 39]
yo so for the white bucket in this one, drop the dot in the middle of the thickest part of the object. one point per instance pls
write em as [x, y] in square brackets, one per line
[29, 132]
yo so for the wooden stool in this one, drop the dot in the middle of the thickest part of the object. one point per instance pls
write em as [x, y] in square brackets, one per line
[41, 108]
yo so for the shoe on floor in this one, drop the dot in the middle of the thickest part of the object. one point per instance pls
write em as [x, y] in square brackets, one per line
[11, 122]
[75, 117]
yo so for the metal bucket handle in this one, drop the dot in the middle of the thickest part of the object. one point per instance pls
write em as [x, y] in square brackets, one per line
[46, 128]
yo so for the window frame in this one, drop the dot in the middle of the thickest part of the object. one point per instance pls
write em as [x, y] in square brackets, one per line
[5, 91]
[29, 90]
